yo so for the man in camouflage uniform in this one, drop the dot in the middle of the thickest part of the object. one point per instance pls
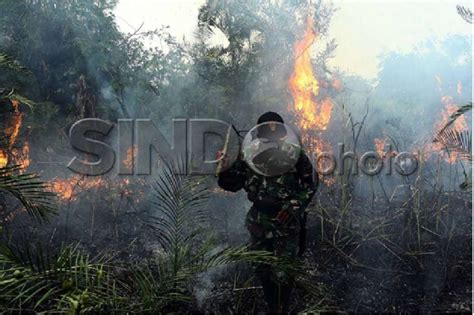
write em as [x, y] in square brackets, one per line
[279, 202]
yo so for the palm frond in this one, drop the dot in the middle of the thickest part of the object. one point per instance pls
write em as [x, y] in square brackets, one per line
[188, 251]
[8, 62]
[157, 285]
[29, 190]
[456, 141]
[453, 140]
[465, 13]
[458, 113]
[13, 96]
[179, 204]
[69, 282]
[231, 255]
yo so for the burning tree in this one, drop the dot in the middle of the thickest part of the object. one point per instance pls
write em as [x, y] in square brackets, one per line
[312, 111]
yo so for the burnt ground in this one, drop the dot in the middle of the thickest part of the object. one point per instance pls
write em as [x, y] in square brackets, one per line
[400, 257]
[395, 260]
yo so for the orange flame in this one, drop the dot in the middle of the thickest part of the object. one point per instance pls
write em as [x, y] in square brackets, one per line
[380, 147]
[304, 86]
[3, 159]
[458, 125]
[22, 157]
[68, 189]
[64, 188]
[131, 154]
[337, 84]
[312, 114]
[12, 131]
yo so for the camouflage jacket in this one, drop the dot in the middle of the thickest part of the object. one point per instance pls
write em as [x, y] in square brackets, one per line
[291, 191]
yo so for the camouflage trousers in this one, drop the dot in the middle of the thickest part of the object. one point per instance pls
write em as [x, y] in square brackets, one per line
[281, 240]
[267, 234]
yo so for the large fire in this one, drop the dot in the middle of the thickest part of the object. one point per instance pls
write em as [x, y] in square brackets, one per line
[312, 112]
[11, 154]
[67, 189]
[304, 86]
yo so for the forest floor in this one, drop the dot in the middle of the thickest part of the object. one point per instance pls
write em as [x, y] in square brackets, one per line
[356, 270]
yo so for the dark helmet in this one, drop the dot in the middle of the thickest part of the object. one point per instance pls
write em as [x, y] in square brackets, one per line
[266, 131]
[269, 116]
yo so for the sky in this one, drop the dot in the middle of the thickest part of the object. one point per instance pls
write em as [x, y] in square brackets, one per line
[363, 29]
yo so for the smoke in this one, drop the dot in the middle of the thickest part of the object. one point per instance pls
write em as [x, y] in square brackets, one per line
[236, 79]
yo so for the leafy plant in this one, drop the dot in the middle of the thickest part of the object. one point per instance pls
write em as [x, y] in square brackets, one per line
[29, 190]
[459, 142]
[465, 13]
[454, 140]
[10, 93]
[71, 281]
[186, 249]
[7, 61]
[458, 113]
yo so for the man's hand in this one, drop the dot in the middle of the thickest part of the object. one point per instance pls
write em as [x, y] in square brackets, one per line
[288, 212]
[283, 217]
[223, 158]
